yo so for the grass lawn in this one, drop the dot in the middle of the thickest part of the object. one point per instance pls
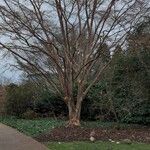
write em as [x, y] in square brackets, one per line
[96, 146]
[31, 127]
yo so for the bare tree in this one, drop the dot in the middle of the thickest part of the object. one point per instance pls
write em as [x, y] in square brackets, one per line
[67, 39]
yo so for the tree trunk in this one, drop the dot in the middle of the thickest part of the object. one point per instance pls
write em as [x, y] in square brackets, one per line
[74, 112]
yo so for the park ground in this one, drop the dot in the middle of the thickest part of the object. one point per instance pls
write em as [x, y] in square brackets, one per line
[108, 136]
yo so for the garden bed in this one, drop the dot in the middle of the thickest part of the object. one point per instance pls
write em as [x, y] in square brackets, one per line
[79, 133]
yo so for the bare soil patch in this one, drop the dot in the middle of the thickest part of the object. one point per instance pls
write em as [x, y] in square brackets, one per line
[80, 133]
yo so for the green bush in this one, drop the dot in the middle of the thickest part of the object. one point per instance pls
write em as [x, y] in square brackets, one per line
[30, 114]
[123, 94]
[97, 105]
[50, 105]
[130, 87]
[30, 101]
[18, 99]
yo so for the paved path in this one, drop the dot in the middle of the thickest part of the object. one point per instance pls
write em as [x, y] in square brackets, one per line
[11, 139]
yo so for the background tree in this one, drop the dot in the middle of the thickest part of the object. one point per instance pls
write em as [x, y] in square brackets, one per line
[127, 79]
[64, 41]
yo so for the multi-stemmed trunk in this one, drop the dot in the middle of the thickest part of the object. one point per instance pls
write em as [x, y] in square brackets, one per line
[74, 112]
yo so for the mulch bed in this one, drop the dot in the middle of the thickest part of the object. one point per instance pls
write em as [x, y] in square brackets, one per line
[79, 133]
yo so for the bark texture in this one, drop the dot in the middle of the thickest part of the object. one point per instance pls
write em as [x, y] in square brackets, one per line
[74, 112]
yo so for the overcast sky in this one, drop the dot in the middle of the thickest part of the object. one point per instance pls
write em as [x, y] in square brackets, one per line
[12, 73]
[7, 72]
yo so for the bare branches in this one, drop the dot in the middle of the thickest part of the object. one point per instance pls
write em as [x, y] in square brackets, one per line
[66, 38]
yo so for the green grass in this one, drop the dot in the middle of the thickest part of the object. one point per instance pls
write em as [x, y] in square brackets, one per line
[31, 127]
[95, 146]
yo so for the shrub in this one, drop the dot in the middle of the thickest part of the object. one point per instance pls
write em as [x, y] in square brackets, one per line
[28, 101]
[50, 105]
[18, 99]
[30, 114]
[130, 88]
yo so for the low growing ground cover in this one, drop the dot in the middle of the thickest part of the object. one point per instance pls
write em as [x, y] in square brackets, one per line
[31, 127]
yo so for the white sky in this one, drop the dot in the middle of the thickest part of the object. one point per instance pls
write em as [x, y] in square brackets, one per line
[5, 70]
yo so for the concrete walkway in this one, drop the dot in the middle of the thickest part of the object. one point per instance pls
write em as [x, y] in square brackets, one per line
[11, 139]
